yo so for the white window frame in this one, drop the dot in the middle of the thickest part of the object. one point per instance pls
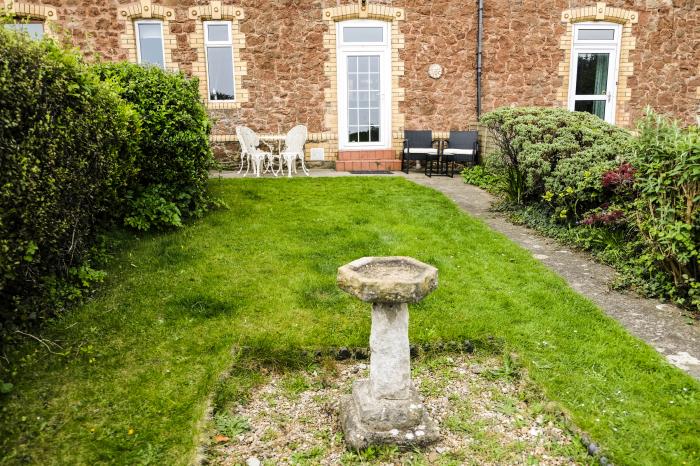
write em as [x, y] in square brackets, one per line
[219, 43]
[611, 47]
[138, 39]
[383, 49]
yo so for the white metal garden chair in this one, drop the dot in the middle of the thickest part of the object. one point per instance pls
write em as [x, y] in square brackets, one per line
[251, 155]
[294, 149]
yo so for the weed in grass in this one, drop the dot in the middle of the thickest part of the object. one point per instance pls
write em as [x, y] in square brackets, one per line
[372, 453]
[231, 426]
[509, 369]
[269, 434]
[294, 384]
[307, 457]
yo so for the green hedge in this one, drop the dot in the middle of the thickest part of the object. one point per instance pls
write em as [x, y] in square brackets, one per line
[175, 155]
[67, 156]
[83, 150]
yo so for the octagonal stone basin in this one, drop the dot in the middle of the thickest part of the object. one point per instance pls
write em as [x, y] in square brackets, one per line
[392, 279]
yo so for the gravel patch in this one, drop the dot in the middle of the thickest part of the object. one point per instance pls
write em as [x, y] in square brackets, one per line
[488, 413]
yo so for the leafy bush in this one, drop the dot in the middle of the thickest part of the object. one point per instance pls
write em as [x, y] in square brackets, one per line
[175, 154]
[67, 156]
[480, 176]
[667, 204]
[547, 149]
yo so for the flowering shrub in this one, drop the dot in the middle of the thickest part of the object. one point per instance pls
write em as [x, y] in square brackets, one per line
[620, 178]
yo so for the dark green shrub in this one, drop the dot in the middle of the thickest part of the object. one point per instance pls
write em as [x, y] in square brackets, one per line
[65, 161]
[174, 145]
[551, 149]
[480, 176]
[667, 205]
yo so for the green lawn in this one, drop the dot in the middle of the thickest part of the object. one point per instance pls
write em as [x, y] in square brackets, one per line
[145, 355]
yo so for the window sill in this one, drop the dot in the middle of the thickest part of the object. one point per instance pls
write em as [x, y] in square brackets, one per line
[222, 105]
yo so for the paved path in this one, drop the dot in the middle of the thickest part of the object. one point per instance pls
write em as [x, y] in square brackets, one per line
[663, 326]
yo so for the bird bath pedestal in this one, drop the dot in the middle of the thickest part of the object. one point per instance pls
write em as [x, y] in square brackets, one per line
[386, 408]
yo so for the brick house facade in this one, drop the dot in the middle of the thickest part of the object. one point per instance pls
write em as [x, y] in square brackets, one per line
[289, 60]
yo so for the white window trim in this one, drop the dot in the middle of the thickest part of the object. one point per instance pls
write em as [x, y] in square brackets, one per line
[596, 46]
[138, 39]
[219, 43]
[364, 48]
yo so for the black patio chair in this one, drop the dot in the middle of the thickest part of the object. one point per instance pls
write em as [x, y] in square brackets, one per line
[461, 147]
[418, 146]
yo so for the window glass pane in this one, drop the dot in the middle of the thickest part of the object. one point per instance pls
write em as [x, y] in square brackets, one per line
[151, 44]
[374, 64]
[220, 73]
[596, 107]
[363, 81]
[363, 100]
[592, 74]
[363, 64]
[35, 30]
[363, 34]
[218, 32]
[596, 34]
[352, 64]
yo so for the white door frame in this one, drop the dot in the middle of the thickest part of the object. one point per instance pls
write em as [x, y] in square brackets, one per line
[611, 47]
[383, 49]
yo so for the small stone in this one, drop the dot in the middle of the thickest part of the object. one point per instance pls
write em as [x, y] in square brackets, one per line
[394, 432]
[440, 450]
[252, 461]
[476, 369]
[593, 449]
[604, 461]
[343, 354]
[420, 433]
[362, 366]
[409, 436]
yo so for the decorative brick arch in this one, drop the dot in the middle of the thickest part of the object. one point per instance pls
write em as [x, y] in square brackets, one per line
[603, 13]
[144, 9]
[368, 11]
[216, 11]
[45, 13]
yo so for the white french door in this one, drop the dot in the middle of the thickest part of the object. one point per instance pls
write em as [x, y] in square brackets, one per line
[594, 62]
[364, 84]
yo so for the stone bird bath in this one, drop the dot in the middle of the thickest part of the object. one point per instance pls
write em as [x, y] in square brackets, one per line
[386, 409]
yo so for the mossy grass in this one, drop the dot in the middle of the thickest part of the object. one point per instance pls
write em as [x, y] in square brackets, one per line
[144, 358]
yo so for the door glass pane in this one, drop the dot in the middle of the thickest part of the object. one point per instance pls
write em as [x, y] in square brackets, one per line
[35, 30]
[363, 34]
[218, 32]
[151, 44]
[364, 104]
[596, 34]
[220, 73]
[592, 73]
[596, 107]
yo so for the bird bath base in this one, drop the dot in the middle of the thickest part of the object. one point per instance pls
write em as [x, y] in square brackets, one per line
[368, 421]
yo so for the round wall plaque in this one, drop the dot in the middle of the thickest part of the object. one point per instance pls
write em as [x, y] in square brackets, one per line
[435, 71]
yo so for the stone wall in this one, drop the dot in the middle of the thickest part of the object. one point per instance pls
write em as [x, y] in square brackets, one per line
[285, 56]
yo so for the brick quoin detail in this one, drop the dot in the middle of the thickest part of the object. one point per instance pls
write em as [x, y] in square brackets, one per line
[144, 9]
[603, 13]
[217, 12]
[45, 13]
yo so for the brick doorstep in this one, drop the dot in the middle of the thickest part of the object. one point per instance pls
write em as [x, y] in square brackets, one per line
[383, 159]
[374, 164]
